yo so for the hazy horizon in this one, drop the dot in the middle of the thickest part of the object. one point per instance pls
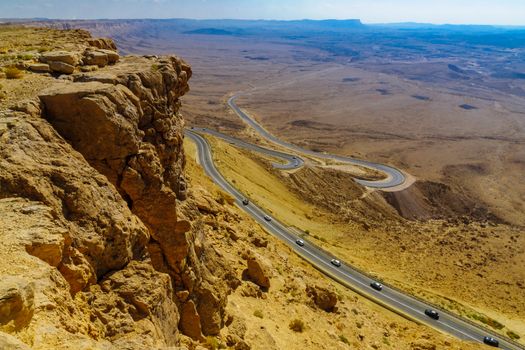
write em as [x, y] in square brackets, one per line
[455, 12]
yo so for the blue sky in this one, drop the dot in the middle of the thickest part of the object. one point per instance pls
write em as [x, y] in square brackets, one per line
[507, 12]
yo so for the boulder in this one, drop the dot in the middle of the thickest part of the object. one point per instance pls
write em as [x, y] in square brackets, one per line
[16, 302]
[61, 67]
[190, 322]
[102, 43]
[259, 242]
[95, 58]
[324, 298]
[39, 68]
[71, 58]
[113, 56]
[258, 272]
[100, 119]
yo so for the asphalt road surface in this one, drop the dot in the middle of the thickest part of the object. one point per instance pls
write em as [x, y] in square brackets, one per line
[390, 298]
[394, 176]
[290, 161]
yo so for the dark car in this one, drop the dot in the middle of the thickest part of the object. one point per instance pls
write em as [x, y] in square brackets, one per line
[300, 242]
[267, 218]
[491, 341]
[376, 285]
[432, 314]
[335, 262]
[245, 201]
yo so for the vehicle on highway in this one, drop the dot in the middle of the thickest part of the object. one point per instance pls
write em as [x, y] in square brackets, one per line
[300, 242]
[432, 314]
[376, 285]
[267, 218]
[491, 341]
[245, 201]
[335, 262]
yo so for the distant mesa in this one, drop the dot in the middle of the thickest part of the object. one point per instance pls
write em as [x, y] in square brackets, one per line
[350, 80]
[257, 58]
[456, 69]
[211, 31]
[421, 97]
[468, 107]
[509, 75]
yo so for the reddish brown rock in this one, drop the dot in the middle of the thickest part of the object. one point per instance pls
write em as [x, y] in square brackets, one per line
[190, 322]
[102, 43]
[69, 58]
[258, 272]
[324, 298]
[61, 67]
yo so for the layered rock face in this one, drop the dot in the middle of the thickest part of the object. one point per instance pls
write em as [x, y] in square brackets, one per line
[103, 246]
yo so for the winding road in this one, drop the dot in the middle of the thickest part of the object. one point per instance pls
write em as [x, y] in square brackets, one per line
[394, 176]
[389, 297]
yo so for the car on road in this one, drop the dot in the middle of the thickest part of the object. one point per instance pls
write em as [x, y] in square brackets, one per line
[300, 242]
[267, 218]
[376, 285]
[245, 201]
[335, 262]
[491, 341]
[432, 314]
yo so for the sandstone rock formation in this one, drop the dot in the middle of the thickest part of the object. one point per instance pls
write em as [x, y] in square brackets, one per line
[98, 52]
[39, 67]
[258, 272]
[102, 43]
[71, 58]
[324, 298]
[61, 67]
[102, 242]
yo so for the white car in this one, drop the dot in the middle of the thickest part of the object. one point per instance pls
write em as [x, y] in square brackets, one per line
[267, 218]
[336, 262]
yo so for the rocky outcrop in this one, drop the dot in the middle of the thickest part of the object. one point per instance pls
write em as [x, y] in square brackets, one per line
[16, 302]
[324, 298]
[258, 272]
[102, 43]
[98, 52]
[61, 67]
[104, 244]
[70, 58]
[39, 68]
[135, 140]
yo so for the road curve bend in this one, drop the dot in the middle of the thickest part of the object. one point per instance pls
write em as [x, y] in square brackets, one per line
[290, 161]
[391, 298]
[394, 176]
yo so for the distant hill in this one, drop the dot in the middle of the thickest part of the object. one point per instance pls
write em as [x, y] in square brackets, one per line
[210, 31]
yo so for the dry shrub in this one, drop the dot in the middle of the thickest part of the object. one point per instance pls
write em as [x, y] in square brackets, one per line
[13, 73]
[297, 325]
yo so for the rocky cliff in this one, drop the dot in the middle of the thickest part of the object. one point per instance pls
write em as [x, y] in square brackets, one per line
[101, 249]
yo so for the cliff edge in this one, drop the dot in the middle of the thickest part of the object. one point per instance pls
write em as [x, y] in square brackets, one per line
[100, 248]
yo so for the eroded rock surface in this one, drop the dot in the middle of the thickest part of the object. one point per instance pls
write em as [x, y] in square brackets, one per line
[258, 272]
[103, 246]
[324, 298]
